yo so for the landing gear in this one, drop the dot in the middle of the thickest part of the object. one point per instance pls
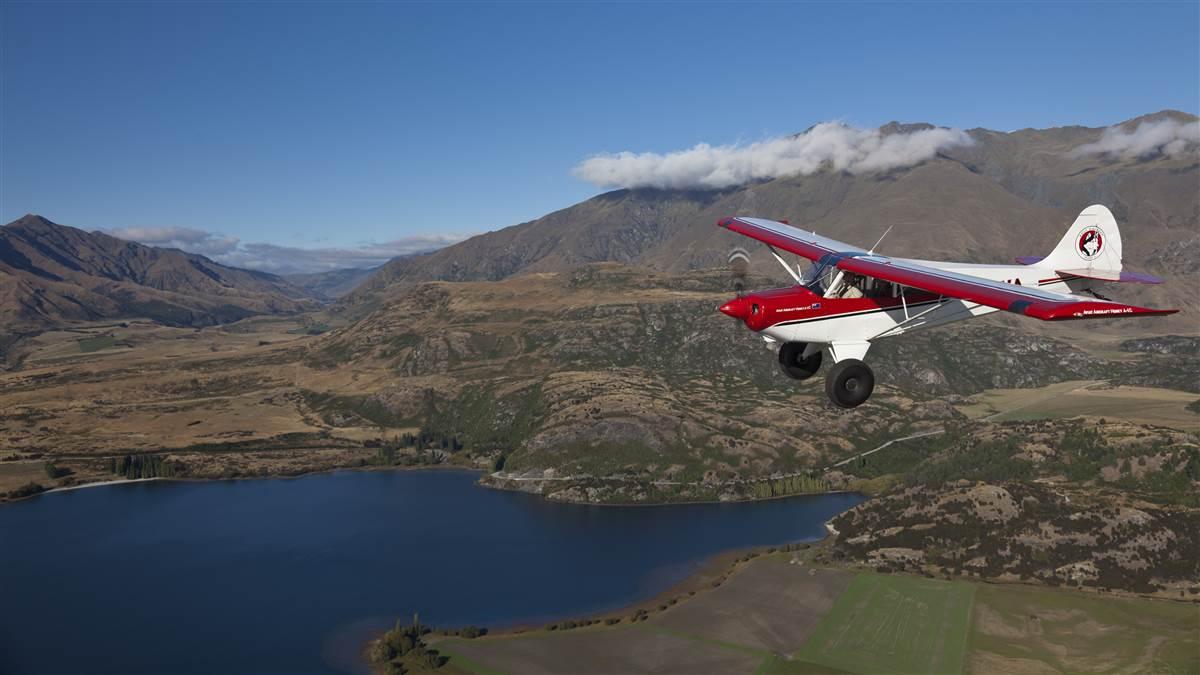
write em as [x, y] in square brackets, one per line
[794, 364]
[849, 383]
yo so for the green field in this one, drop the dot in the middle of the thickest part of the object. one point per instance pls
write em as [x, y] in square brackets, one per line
[779, 665]
[95, 344]
[1141, 405]
[1021, 629]
[894, 624]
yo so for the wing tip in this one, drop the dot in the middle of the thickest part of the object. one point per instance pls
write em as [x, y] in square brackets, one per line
[1091, 310]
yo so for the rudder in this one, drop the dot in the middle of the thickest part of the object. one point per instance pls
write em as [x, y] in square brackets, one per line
[1092, 243]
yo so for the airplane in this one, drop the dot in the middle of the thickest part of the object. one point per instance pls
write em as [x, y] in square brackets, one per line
[849, 298]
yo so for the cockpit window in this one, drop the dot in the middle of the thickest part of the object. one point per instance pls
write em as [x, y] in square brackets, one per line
[818, 277]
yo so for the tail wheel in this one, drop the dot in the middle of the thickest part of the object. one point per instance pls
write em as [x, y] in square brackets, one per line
[849, 383]
[796, 366]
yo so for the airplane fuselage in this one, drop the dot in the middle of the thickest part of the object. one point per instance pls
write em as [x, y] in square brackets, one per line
[851, 297]
[797, 314]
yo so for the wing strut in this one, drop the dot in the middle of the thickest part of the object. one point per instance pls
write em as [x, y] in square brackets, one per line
[909, 319]
[783, 262]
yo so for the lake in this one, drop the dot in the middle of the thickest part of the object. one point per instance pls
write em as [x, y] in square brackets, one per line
[291, 576]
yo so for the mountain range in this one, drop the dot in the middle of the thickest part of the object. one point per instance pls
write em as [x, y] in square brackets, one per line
[1004, 195]
[51, 274]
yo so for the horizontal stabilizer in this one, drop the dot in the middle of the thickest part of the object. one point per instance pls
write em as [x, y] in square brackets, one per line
[1030, 259]
[1109, 275]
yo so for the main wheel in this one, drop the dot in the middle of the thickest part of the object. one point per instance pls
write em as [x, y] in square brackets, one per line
[796, 366]
[849, 383]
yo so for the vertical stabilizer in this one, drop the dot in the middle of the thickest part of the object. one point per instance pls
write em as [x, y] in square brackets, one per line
[1092, 244]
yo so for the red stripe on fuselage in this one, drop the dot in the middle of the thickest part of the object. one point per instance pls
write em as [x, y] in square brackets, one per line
[797, 304]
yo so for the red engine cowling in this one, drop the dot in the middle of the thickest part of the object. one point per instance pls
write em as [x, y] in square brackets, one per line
[767, 308]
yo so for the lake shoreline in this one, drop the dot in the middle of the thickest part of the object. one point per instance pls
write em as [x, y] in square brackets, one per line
[677, 502]
[710, 574]
[482, 482]
[245, 548]
[716, 567]
[276, 476]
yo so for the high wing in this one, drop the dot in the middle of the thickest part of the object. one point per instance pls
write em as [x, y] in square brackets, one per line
[1026, 300]
[791, 239]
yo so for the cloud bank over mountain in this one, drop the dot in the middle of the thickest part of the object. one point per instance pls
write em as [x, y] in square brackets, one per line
[1167, 137]
[292, 260]
[827, 145]
[282, 259]
[184, 238]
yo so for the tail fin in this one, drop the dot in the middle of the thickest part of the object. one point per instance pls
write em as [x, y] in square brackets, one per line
[1092, 244]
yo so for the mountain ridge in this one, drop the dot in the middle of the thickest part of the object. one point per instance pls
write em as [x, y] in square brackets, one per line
[51, 274]
[1008, 194]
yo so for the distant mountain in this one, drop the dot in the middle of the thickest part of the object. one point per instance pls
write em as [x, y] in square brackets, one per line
[332, 284]
[1008, 194]
[51, 273]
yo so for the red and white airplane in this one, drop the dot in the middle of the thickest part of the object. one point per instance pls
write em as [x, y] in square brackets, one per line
[850, 297]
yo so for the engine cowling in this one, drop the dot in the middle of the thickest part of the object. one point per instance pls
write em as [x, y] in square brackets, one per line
[766, 308]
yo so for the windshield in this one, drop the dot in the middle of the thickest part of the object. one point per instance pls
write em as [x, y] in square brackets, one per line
[818, 277]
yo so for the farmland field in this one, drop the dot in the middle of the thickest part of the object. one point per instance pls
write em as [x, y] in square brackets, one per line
[775, 616]
[767, 608]
[1141, 405]
[95, 344]
[600, 651]
[894, 624]
[1019, 629]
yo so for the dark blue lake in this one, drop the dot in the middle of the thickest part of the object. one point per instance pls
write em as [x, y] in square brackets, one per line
[290, 576]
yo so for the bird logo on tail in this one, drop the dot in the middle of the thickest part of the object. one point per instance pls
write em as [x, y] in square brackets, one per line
[1091, 242]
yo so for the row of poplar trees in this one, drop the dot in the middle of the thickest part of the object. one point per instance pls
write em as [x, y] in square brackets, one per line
[141, 466]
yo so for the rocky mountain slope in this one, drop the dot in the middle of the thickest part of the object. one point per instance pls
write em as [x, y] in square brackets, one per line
[1101, 504]
[51, 273]
[1008, 194]
[610, 371]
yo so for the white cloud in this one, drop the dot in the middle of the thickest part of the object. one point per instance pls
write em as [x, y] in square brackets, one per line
[1162, 137]
[282, 259]
[829, 144]
[290, 259]
[186, 238]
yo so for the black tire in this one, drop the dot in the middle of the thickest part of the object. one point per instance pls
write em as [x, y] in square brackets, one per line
[795, 367]
[849, 383]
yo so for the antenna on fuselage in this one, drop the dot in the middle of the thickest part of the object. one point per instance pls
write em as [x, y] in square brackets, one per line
[885, 233]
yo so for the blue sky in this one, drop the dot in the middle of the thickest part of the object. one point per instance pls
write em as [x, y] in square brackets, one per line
[355, 125]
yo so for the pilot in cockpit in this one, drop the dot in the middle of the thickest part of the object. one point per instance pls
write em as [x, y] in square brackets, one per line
[852, 286]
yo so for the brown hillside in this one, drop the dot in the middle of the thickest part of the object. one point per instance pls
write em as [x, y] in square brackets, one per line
[52, 273]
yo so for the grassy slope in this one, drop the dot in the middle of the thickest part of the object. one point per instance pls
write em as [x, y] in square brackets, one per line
[97, 343]
[1016, 627]
[894, 624]
[1143, 405]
